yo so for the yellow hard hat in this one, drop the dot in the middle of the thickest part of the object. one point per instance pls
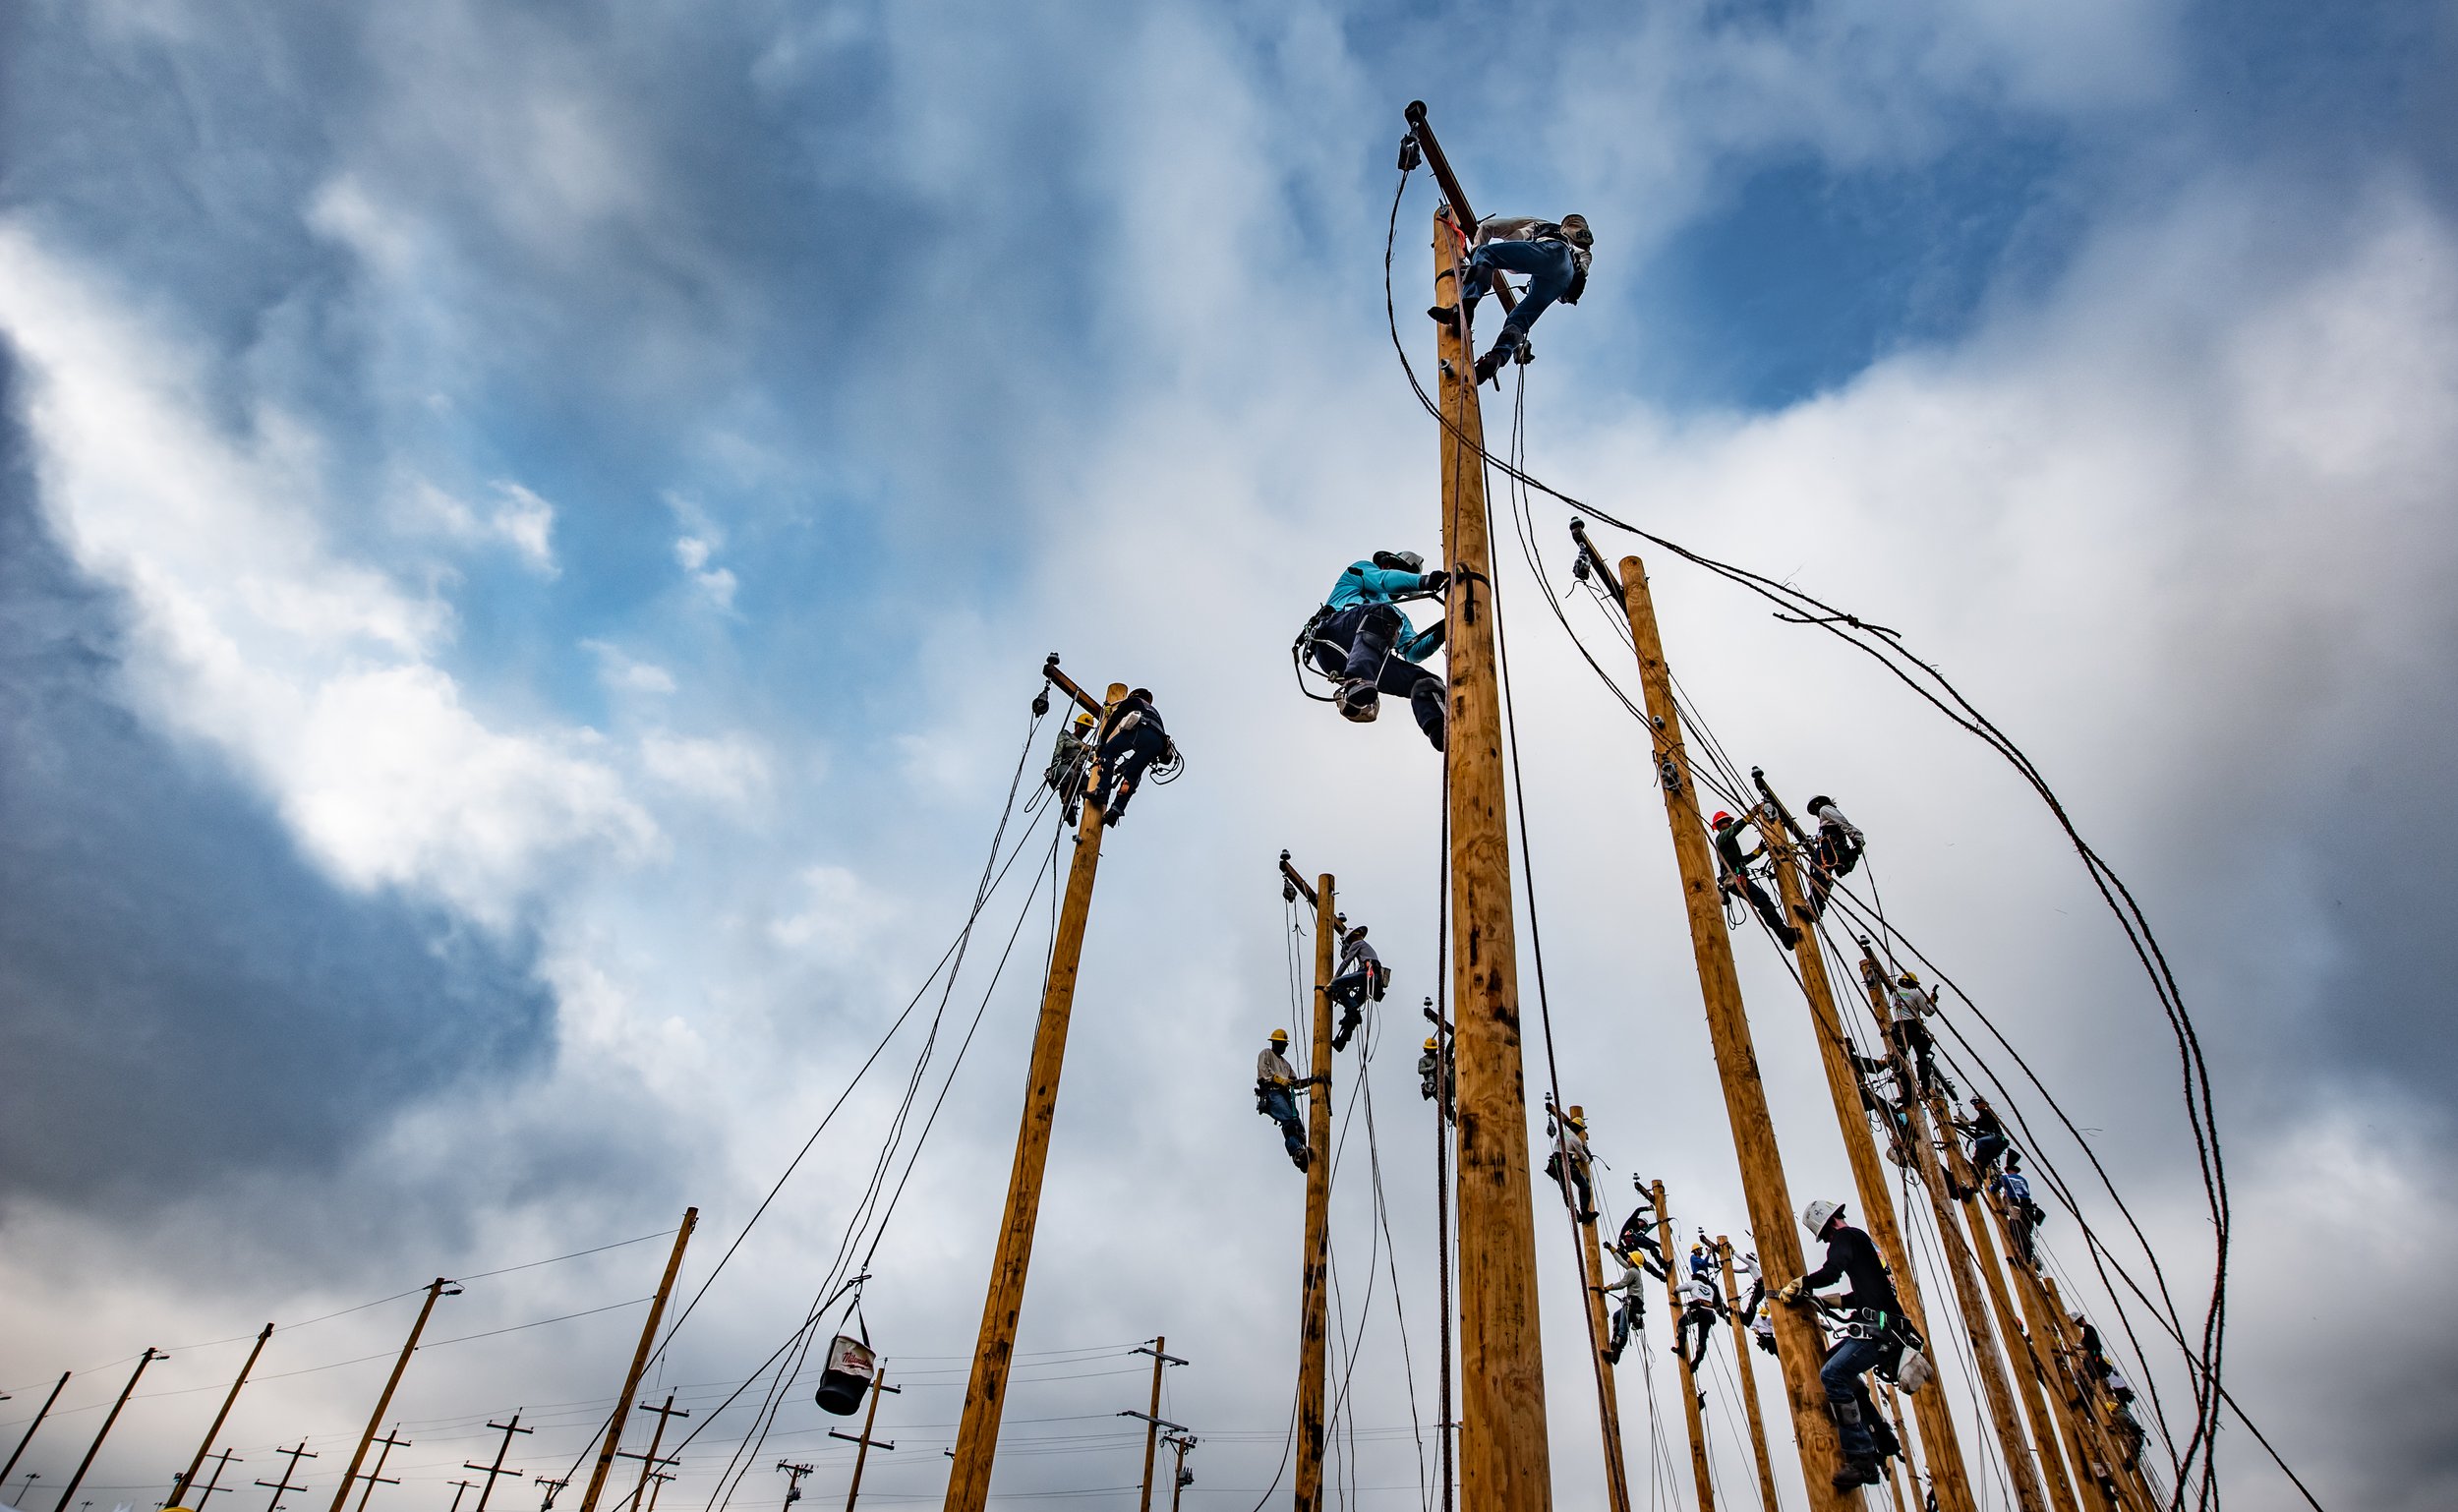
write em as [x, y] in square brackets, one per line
[1909, 978]
[1431, 1042]
[1279, 1036]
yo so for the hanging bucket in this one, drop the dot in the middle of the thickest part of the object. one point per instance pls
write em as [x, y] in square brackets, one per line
[851, 1368]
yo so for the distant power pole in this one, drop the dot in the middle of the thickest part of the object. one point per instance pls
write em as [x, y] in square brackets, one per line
[179, 1488]
[659, 1476]
[214, 1482]
[439, 1287]
[649, 1461]
[794, 1473]
[460, 1489]
[863, 1440]
[507, 1429]
[390, 1441]
[285, 1487]
[551, 1486]
[639, 1365]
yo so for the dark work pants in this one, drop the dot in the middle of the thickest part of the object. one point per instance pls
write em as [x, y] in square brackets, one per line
[1846, 1364]
[1356, 645]
[1123, 759]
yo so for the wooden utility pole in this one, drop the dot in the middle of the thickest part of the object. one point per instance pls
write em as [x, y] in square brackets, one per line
[375, 1478]
[179, 1488]
[985, 1392]
[639, 1362]
[507, 1429]
[1690, 1412]
[1162, 1360]
[1939, 1444]
[282, 1487]
[1998, 1391]
[551, 1487]
[460, 1489]
[1799, 1347]
[1607, 1400]
[214, 1482]
[2019, 1351]
[794, 1478]
[862, 1445]
[1506, 1461]
[73, 1482]
[1903, 1466]
[1749, 1377]
[657, 1440]
[1313, 1272]
[1181, 1442]
[40, 1412]
[658, 1480]
[2099, 1438]
[439, 1287]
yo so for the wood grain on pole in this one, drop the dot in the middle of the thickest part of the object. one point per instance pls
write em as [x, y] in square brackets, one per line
[1749, 1378]
[639, 1361]
[861, 1451]
[2018, 1349]
[2082, 1398]
[985, 1391]
[1314, 1268]
[1996, 1389]
[1607, 1398]
[1799, 1347]
[1941, 1446]
[1506, 1463]
[1690, 1412]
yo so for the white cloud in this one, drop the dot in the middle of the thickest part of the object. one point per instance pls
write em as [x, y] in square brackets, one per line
[840, 914]
[314, 672]
[622, 673]
[519, 519]
[729, 770]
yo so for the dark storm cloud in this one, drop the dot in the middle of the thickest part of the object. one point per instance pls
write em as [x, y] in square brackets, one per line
[185, 997]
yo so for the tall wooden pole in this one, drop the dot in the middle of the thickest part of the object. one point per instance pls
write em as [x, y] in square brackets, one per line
[1607, 1398]
[1312, 1366]
[613, 1437]
[43, 1412]
[1798, 1348]
[2019, 1351]
[1903, 1465]
[1162, 1360]
[1749, 1378]
[148, 1358]
[188, 1477]
[375, 1478]
[1940, 1445]
[213, 1482]
[1690, 1412]
[1996, 1389]
[1181, 1442]
[871, 1418]
[2099, 1438]
[985, 1392]
[439, 1287]
[1506, 1463]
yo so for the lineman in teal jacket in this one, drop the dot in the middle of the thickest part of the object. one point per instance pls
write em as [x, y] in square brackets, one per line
[1362, 637]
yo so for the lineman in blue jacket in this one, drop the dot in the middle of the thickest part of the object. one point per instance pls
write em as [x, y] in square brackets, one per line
[1362, 637]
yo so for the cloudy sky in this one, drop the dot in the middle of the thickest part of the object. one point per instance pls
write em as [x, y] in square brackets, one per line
[527, 533]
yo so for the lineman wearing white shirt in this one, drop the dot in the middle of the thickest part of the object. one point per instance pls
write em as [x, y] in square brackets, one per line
[1700, 1307]
[1909, 1003]
[1357, 978]
[1631, 1311]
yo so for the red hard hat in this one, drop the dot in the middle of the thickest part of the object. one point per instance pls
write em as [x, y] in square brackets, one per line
[1720, 821]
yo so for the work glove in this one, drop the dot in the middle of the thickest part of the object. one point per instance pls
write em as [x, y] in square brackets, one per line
[1791, 1290]
[1437, 581]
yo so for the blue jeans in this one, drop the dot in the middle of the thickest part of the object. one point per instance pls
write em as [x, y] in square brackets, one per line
[1358, 642]
[1546, 265]
[1847, 1363]
[1283, 1110]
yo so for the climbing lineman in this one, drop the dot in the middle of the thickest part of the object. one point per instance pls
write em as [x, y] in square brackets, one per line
[1132, 740]
[1276, 1087]
[1362, 638]
[1630, 1311]
[1733, 873]
[1833, 852]
[1360, 978]
[1552, 253]
[1568, 1166]
[1875, 1337]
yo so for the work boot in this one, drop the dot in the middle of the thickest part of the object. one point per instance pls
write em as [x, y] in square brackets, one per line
[1350, 1019]
[1359, 701]
[1791, 937]
[1300, 1158]
[1857, 1473]
[1446, 314]
[1612, 1356]
[1808, 914]
[1117, 806]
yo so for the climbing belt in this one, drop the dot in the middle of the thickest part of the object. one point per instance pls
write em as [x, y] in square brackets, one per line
[1925, 680]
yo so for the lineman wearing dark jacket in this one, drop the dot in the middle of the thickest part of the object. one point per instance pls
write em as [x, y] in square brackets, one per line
[1734, 874]
[1833, 853]
[1850, 1257]
[1552, 253]
[1362, 637]
[1131, 740]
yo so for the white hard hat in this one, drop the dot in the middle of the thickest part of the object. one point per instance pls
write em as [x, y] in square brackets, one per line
[1817, 1216]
